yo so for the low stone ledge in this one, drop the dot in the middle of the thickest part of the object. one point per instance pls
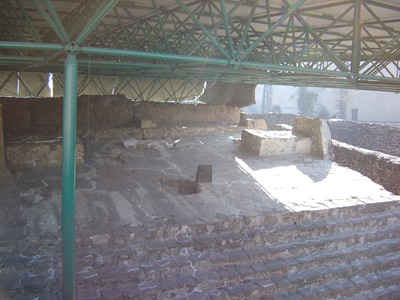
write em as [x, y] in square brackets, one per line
[39, 153]
[159, 132]
[381, 168]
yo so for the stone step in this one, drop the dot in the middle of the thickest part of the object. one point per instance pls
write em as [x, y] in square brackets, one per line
[370, 286]
[317, 284]
[270, 243]
[278, 239]
[391, 292]
[304, 270]
[270, 221]
[187, 274]
[250, 252]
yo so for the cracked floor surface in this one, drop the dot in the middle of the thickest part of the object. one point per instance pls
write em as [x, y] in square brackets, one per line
[118, 186]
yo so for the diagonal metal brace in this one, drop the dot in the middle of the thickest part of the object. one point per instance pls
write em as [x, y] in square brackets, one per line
[272, 28]
[205, 30]
[342, 67]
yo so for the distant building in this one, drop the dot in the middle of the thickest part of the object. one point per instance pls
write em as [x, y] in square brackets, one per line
[362, 106]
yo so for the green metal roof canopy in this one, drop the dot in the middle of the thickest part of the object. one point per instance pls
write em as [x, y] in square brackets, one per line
[335, 43]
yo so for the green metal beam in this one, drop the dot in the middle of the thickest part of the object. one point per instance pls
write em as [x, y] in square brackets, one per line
[123, 28]
[144, 30]
[203, 60]
[7, 79]
[355, 61]
[215, 27]
[13, 20]
[272, 28]
[204, 29]
[20, 19]
[35, 34]
[48, 20]
[23, 85]
[161, 26]
[68, 176]
[23, 60]
[57, 21]
[99, 14]
[394, 40]
[246, 29]
[227, 27]
[342, 67]
[30, 46]
[152, 55]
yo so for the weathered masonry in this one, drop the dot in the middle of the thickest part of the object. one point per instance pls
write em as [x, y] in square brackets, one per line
[99, 199]
[147, 229]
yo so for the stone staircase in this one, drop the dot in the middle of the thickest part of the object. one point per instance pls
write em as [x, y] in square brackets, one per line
[341, 253]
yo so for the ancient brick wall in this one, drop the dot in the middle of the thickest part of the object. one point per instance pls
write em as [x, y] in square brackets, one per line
[379, 167]
[171, 112]
[370, 136]
[44, 115]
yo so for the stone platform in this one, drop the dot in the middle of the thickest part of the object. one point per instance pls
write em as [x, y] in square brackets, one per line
[264, 227]
[261, 143]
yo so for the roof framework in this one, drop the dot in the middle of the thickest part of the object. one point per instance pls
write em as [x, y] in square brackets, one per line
[337, 43]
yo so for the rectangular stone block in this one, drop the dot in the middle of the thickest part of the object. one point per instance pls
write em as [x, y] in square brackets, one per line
[144, 123]
[243, 119]
[204, 173]
[319, 132]
[274, 142]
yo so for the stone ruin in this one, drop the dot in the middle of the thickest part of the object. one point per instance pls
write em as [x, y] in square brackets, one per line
[36, 138]
[307, 136]
[147, 229]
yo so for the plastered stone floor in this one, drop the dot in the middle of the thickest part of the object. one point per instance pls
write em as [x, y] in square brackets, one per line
[118, 186]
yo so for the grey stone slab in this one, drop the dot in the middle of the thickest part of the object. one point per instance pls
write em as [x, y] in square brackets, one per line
[204, 173]
[229, 272]
[205, 275]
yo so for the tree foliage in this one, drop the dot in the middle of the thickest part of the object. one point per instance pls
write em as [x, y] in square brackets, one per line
[306, 101]
[323, 112]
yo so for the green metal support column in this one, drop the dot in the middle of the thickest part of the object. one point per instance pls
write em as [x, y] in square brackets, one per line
[68, 176]
[355, 61]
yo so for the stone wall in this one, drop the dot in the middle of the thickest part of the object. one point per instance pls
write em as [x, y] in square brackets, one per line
[171, 112]
[273, 119]
[370, 136]
[44, 115]
[379, 167]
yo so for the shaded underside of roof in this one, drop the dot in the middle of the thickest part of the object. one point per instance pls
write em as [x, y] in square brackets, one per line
[347, 44]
